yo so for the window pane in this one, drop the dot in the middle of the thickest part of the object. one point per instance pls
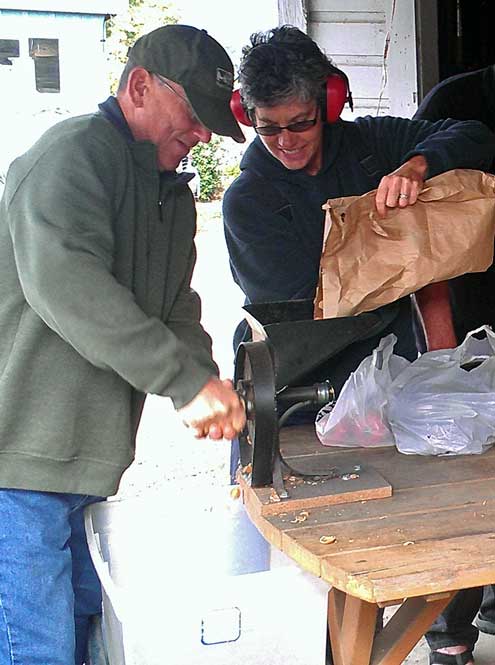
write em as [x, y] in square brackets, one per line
[43, 48]
[46, 64]
[9, 48]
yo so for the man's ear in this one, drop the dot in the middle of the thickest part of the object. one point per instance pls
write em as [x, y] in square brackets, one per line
[138, 84]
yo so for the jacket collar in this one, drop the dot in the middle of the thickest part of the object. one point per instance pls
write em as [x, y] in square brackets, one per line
[111, 110]
[144, 152]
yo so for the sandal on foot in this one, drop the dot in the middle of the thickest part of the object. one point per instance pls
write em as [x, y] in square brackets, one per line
[437, 658]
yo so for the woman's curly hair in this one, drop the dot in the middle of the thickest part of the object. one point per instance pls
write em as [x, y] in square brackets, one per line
[280, 65]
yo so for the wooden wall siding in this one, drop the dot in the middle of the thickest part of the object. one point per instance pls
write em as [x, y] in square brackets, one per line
[293, 12]
[353, 34]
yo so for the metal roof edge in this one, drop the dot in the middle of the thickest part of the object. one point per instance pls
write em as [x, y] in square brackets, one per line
[101, 7]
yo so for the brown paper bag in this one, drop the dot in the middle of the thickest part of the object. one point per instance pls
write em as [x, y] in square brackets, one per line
[368, 262]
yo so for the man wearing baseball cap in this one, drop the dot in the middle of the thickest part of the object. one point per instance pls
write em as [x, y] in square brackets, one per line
[196, 62]
[96, 258]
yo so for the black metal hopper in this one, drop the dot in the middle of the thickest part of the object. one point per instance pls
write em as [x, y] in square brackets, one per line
[301, 346]
[294, 362]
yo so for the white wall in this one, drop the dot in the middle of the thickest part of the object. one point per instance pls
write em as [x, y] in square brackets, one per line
[78, 6]
[24, 112]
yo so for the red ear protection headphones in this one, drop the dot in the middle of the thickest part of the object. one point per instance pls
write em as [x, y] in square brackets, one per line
[336, 94]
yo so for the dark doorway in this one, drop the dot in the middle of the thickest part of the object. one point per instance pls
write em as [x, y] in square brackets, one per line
[465, 35]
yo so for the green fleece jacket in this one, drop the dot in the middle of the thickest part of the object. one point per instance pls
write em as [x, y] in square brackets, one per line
[96, 256]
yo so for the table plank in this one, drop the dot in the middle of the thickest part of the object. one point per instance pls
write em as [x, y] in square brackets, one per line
[444, 507]
[307, 494]
[404, 471]
[300, 444]
[476, 494]
[394, 530]
[433, 536]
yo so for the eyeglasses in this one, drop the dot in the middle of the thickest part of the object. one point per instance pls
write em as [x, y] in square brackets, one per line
[164, 82]
[273, 130]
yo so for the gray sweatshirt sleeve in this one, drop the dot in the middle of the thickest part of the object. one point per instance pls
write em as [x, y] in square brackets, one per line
[61, 222]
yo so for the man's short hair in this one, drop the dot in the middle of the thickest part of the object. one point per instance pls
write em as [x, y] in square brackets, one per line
[125, 75]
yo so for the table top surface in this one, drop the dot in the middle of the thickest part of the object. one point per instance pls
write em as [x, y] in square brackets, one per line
[436, 532]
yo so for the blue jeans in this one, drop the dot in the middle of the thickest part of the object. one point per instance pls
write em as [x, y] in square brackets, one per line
[454, 626]
[48, 586]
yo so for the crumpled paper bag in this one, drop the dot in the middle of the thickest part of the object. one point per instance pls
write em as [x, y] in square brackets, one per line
[368, 262]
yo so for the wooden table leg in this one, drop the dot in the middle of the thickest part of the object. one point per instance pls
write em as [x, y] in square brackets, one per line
[406, 627]
[352, 625]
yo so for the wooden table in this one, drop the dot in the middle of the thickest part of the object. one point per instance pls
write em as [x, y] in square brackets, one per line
[433, 536]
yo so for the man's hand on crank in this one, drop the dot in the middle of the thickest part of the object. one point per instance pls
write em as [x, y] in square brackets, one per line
[216, 411]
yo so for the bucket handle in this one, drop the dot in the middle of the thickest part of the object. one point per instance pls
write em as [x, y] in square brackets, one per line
[101, 566]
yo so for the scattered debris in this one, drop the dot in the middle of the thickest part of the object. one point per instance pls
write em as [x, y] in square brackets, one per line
[328, 540]
[298, 519]
[302, 517]
[350, 476]
[235, 492]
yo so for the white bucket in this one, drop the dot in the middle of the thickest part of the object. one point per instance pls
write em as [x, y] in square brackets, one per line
[193, 583]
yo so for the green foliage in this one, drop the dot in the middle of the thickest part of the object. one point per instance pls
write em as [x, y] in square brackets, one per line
[231, 171]
[124, 29]
[207, 158]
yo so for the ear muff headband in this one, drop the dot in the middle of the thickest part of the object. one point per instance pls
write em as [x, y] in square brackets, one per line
[336, 93]
[238, 109]
[334, 97]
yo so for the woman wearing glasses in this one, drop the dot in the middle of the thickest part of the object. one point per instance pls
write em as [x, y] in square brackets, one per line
[304, 154]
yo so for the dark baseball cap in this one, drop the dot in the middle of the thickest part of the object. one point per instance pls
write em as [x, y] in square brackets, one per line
[200, 65]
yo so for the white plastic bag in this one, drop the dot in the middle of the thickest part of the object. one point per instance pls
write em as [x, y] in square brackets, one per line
[444, 402]
[357, 419]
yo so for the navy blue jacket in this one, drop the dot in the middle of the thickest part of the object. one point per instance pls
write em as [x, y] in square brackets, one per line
[273, 216]
[469, 96]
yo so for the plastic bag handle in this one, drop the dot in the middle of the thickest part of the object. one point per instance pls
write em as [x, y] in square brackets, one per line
[460, 351]
[381, 354]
